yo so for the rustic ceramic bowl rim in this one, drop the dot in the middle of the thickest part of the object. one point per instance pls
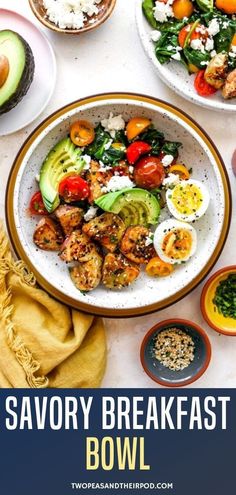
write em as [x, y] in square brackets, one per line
[230, 268]
[168, 323]
[50, 25]
[106, 98]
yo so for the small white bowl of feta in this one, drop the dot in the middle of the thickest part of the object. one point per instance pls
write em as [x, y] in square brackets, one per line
[72, 16]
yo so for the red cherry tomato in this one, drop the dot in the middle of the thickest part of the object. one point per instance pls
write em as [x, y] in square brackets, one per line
[195, 35]
[202, 87]
[73, 188]
[149, 172]
[136, 149]
[36, 205]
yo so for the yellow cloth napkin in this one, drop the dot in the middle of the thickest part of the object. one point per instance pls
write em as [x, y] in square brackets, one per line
[42, 342]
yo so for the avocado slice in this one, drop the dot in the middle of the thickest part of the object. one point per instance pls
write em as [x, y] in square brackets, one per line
[63, 160]
[135, 206]
[16, 69]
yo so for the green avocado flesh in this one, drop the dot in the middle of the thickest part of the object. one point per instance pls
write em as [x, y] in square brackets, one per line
[21, 69]
[134, 206]
[63, 160]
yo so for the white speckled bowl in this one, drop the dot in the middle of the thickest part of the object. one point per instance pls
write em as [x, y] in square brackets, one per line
[146, 294]
[174, 73]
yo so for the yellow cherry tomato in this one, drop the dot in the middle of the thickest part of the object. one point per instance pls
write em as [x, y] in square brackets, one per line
[233, 42]
[158, 268]
[180, 170]
[193, 69]
[135, 126]
[227, 6]
[82, 133]
[182, 8]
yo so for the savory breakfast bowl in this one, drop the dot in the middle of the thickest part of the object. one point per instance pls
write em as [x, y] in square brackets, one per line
[148, 293]
[175, 352]
[104, 10]
[174, 73]
[218, 301]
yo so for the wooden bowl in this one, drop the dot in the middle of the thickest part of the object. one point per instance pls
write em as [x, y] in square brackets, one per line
[105, 7]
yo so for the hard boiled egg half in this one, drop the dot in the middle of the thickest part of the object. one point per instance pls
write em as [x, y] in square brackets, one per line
[175, 241]
[188, 200]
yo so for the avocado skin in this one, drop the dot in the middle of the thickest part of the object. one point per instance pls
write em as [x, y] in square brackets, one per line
[25, 81]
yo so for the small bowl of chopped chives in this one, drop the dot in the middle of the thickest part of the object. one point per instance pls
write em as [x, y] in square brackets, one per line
[72, 16]
[175, 353]
[218, 301]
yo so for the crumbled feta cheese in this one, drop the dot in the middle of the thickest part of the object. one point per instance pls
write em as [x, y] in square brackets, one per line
[232, 54]
[37, 178]
[103, 167]
[70, 14]
[162, 11]
[225, 25]
[167, 160]
[204, 63]
[116, 183]
[209, 45]
[90, 214]
[87, 160]
[149, 240]
[213, 53]
[233, 49]
[214, 27]
[155, 35]
[176, 56]
[131, 169]
[113, 124]
[197, 45]
[171, 180]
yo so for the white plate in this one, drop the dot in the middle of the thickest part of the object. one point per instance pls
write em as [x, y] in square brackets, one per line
[146, 294]
[41, 89]
[174, 74]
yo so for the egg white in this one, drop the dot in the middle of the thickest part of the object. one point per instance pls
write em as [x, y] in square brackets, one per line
[195, 215]
[163, 229]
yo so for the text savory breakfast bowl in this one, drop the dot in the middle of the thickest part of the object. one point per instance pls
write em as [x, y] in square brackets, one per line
[138, 246]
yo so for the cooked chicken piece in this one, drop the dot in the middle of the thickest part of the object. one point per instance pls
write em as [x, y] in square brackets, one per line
[229, 89]
[77, 247]
[118, 272]
[97, 180]
[136, 246]
[69, 217]
[216, 71]
[87, 276]
[48, 235]
[107, 229]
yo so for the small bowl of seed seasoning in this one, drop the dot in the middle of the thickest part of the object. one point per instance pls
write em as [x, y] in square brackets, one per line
[175, 353]
[218, 301]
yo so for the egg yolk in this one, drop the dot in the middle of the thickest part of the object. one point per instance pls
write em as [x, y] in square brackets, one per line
[177, 244]
[187, 199]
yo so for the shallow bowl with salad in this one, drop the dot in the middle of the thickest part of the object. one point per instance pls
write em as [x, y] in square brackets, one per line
[218, 301]
[192, 44]
[119, 203]
[175, 352]
[72, 16]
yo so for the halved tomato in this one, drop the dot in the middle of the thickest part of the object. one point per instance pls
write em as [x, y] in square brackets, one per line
[149, 172]
[82, 133]
[37, 205]
[73, 188]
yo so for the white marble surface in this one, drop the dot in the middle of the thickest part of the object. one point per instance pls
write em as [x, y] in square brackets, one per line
[111, 59]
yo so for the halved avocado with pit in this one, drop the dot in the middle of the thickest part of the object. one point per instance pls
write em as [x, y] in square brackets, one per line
[16, 69]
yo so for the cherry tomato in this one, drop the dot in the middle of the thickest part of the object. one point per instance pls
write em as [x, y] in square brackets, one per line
[158, 268]
[82, 133]
[201, 85]
[135, 126]
[36, 205]
[228, 6]
[182, 8]
[73, 188]
[136, 149]
[180, 170]
[149, 172]
[195, 35]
